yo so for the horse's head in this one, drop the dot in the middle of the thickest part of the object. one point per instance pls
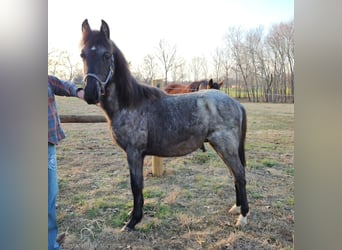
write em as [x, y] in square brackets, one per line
[98, 61]
[214, 85]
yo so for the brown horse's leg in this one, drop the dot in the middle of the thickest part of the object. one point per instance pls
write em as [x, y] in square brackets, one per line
[135, 162]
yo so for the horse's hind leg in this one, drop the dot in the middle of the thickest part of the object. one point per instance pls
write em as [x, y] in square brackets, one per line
[229, 154]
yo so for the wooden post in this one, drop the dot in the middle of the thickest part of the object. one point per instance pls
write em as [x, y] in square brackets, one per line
[157, 162]
[82, 118]
[157, 166]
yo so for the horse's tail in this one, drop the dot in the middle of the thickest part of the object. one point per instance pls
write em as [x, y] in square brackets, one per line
[243, 137]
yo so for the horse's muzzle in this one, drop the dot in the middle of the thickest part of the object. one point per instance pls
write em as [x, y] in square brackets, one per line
[92, 91]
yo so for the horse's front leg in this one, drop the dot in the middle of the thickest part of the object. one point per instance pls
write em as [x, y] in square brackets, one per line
[135, 163]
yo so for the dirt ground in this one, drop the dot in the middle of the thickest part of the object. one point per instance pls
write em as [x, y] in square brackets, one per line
[186, 208]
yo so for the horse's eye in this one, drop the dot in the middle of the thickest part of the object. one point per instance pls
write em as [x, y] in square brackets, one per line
[82, 55]
[107, 55]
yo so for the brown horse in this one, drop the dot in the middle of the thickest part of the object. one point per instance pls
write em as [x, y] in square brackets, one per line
[175, 88]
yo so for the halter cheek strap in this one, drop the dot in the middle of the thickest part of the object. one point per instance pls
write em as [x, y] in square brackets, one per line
[109, 75]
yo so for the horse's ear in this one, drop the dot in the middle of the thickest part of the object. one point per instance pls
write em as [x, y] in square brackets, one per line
[105, 29]
[221, 83]
[85, 27]
[210, 83]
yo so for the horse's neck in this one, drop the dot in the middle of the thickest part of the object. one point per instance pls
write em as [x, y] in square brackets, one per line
[110, 102]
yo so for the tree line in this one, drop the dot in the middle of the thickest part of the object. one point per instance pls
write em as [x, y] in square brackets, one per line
[254, 64]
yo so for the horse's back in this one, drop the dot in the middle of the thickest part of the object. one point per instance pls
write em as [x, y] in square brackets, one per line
[174, 88]
[217, 97]
[218, 105]
[211, 106]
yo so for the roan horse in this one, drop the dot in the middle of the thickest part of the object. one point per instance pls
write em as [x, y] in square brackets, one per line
[175, 88]
[147, 121]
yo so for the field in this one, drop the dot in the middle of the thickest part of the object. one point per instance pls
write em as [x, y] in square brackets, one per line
[186, 208]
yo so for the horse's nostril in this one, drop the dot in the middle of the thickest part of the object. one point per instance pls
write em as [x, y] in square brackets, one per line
[90, 99]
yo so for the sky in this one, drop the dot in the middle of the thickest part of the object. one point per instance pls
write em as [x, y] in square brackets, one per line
[195, 27]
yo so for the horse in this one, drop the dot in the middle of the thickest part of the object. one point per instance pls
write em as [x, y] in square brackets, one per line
[175, 88]
[145, 120]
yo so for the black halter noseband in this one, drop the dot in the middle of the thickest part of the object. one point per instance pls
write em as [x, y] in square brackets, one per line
[109, 75]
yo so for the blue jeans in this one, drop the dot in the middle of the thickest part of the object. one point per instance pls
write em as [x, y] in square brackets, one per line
[52, 196]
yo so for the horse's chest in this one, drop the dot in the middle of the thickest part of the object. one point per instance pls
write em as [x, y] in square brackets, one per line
[130, 129]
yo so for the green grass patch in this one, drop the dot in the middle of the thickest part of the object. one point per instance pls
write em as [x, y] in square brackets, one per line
[147, 227]
[187, 194]
[290, 171]
[103, 204]
[269, 163]
[254, 164]
[200, 158]
[153, 193]
[158, 210]
[118, 219]
[256, 195]
[79, 199]
[290, 201]
[123, 184]
[92, 213]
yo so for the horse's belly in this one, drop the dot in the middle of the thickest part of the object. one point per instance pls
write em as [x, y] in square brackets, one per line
[170, 148]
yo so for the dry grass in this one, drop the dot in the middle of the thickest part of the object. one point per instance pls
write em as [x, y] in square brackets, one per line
[188, 207]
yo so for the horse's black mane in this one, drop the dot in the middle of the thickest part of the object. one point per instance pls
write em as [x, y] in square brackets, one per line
[130, 93]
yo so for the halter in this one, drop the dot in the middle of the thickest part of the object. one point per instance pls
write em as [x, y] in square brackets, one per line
[109, 75]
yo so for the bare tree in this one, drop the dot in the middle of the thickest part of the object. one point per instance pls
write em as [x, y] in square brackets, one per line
[149, 68]
[178, 70]
[217, 57]
[281, 43]
[265, 71]
[236, 40]
[263, 63]
[195, 68]
[167, 56]
[289, 36]
[254, 38]
[227, 64]
[78, 74]
[59, 64]
[204, 68]
[199, 68]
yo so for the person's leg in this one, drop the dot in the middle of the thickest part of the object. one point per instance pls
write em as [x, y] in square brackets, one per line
[52, 195]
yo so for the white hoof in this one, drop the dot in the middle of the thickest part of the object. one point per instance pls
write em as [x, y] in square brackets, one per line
[234, 210]
[241, 221]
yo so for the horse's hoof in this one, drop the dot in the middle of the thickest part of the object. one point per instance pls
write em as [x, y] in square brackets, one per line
[234, 210]
[242, 221]
[126, 229]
